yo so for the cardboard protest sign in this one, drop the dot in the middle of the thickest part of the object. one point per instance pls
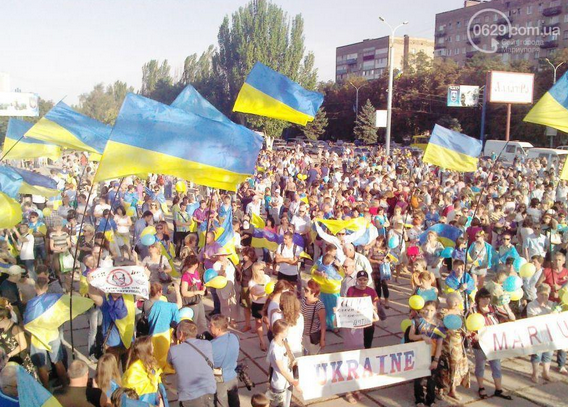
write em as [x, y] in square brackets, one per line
[335, 373]
[121, 280]
[354, 312]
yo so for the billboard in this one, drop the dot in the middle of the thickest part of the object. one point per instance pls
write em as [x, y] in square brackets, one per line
[510, 87]
[381, 118]
[18, 104]
[463, 96]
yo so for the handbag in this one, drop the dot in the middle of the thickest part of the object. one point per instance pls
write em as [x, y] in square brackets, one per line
[315, 337]
[66, 262]
[194, 299]
[164, 277]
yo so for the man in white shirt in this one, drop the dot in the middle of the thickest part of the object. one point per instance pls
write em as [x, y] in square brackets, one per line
[301, 221]
[254, 206]
[26, 248]
[287, 258]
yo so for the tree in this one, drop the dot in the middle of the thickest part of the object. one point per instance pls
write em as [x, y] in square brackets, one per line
[365, 129]
[261, 31]
[316, 128]
[152, 73]
[450, 123]
[103, 104]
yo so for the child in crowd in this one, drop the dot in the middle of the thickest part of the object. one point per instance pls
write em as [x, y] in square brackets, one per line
[425, 288]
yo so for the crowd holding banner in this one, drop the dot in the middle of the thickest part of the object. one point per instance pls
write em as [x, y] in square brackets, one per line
[137, 224]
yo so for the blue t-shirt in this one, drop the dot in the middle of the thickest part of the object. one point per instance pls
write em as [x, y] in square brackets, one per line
[225, 354]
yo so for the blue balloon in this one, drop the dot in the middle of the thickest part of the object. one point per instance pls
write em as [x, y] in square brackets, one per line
[393, 242]
[453, 322]
[429, 295]
[148, 240]
[447, 253]
[512, 283]
[518, 263]
[209, 275]
[186, 313]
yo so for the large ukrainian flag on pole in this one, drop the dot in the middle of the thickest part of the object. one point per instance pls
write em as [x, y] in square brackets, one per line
[271, 94]
[451, 150]
[552, 109]
[21, 148]
[149, 136]
[11, 212]
[26, 182]
[69, 129]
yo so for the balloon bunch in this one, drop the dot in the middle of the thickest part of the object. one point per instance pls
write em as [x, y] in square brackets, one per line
[212, 279]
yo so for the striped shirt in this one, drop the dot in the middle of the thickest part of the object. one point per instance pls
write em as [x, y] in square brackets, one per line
[311, 312]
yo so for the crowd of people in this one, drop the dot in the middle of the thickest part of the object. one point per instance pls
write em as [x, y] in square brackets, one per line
[286, 292]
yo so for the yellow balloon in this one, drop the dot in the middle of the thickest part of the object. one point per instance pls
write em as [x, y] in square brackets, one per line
[527, 270]
[269, 287]
[516, 295]
[127, 205]
[46, 212]
[475, 322]
[416, 302]
[404, 324]
[448, 289]
[131, 211]
[217, 282]
[181, 187]
[148, 230]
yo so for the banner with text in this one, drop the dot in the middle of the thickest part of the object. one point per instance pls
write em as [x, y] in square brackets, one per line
[525, 337]
[19, 104]
[335, 373]
[354, 312]
[121, 280]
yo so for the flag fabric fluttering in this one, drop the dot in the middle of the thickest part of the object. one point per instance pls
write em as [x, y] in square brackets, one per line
[11, 212]
[552, 108]
[271, 94]
[15, 181]
[22, 148]
[265, 239]
[447, 234]
[31, 393]
[67, 128]
[257, 221]
[149, 136]
[191, 101]
[451, 150]
[46, 313]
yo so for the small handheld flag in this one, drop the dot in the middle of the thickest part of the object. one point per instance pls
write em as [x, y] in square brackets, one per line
[271, 94]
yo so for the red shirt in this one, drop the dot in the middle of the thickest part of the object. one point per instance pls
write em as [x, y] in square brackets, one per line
[367, 292]
[552, 278]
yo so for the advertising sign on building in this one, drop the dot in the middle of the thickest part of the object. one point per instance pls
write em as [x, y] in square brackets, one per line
[510, 87]
[381, 118]
[18, 104]
[335, 373]
[463, 96]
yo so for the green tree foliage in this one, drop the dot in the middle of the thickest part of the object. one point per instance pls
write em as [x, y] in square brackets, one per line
[261, 31]
[316, 128]
[365, 129]
[450, 123]
[103, 103]
[152, 73]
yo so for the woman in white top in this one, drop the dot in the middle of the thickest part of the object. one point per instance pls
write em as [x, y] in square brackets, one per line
[281, 362]
[272, 304]
[291, 312]
[122, 235]
[257, 291]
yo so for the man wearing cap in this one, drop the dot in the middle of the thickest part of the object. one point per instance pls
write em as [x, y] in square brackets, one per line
[9, 289]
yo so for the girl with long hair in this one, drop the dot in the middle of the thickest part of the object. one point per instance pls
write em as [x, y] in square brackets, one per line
[107, 376]
[291, 312]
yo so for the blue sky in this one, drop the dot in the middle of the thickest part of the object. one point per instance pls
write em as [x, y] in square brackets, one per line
[62, 48]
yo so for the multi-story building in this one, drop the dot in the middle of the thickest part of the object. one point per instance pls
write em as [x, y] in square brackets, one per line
[369, 58]
[528, 30]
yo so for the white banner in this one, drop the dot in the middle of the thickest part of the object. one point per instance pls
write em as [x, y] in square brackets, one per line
[121, 280]
[525, 337]
[354, 312]
[335, 373]
[18, 104]
[511, 87]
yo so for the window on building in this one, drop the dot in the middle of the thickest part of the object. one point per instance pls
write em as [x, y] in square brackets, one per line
[555, 3]
[368, 64]
[565, 35]
[495, 17]
[457, 37]
[526, 56]
[458, 24]
[529, 9]
[536, 55]
[505, 57]
[457, 51]
[486, 19]
[554, 20]
[450, 38]
[566, 18]
[540, 7]
[463, 50]
[381, 51]
[449, 52]
[441, 27]
[441, 40]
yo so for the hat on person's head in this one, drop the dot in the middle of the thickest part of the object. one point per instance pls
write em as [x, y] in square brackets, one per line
[223, 252]
[15, 270]
[362, 274]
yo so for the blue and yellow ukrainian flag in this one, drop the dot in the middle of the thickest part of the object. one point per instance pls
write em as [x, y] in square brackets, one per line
[32, 394]
[125, 325]
[265, 239]
[11, 212]
[21, 148]
[149, 136]
[552, 109]
[161, 315]
[257, 221]
[26, 182]
[46, 313]
[271, 94]
[191, 101]
[69, 129]
[370, 235]
[451, 150]
[227, 238]
[335, 226]
[447, 234]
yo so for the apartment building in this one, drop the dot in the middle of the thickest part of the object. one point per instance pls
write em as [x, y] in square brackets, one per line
[369, 58]
[529, 30]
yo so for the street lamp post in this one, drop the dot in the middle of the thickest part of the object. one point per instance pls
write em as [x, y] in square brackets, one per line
[551, 132]
[356, 98]
[391, 74]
